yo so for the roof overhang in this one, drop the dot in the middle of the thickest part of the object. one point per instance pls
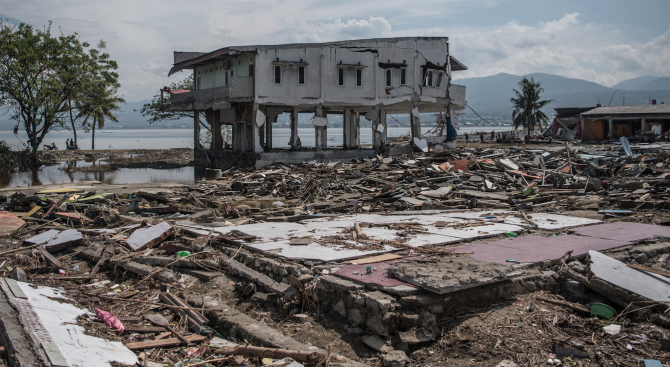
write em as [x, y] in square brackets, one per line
[456, 65]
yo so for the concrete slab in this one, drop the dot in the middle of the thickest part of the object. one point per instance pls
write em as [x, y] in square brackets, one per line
[9, 223]
[549, 221]
[450, 273]
[55, 325]
[65, 239]
[533, 249]
[41, 238]
[652, 286]
[149, 237]
[624, 231]
[379, 275]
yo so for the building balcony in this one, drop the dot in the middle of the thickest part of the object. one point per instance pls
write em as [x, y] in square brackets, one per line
[240, 88]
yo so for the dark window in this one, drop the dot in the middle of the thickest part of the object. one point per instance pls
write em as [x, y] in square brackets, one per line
[226, 77]
[359, 77]
[388, 77]
[439, 80]
[251, 70]
[403, 76]
[429, 78]
[301, 75]
[198, 84]
[231, 72]
[277, 74]
[340, 76]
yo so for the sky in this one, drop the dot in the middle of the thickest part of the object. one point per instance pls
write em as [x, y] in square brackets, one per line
[604, 41]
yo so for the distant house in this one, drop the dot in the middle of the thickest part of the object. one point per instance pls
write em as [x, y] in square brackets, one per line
[614, 122]
[599, 123]
[247, 87]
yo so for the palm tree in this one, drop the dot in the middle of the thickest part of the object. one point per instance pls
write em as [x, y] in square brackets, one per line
[527, 106]
[101, 107]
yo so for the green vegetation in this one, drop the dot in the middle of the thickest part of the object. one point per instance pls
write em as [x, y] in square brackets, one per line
[527, 107]
[46, 80]
[158, 110]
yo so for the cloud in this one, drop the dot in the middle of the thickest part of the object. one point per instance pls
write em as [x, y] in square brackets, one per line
[373, 27]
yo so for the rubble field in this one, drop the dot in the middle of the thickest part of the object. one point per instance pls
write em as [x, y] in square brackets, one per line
[484, 255]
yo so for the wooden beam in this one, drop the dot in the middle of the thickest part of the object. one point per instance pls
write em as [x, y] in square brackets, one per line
[163, 343]
[49, 257]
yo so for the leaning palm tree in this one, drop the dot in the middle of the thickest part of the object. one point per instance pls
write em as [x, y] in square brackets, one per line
[527, 106]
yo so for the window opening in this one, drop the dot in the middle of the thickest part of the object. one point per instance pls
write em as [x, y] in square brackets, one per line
[340, 77]
[359, 77]
[403, 76]
[429, 78]
[277, 74]
[439, 80]
[301, 75]
[388, 77]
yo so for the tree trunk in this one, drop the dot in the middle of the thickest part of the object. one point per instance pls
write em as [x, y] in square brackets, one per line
[74, 129]
[93, 136]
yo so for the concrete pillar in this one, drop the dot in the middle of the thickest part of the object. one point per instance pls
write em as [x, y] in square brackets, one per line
[610, 124]
[643, 125]
[318, 130]
[346, 121]
[268, 131]
[324, 134]
[376, 135]
[415, 122]
[382, 121]
[256, 146]
[196, 129]
[582, 126]
[294, 128]
[356, 133]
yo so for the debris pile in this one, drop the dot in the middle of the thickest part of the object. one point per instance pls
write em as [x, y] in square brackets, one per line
[466, 257]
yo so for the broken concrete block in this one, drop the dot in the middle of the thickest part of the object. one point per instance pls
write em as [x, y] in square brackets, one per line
[356, 316]
[201, 274]
[261, 279]
[148, 237]
[9, 223]
[448, 274]
[340, 309]
[439, 193]
[64, 240]
[376, 343]
[396, 358]
[416, 336]
[41, 238]
[166, 276]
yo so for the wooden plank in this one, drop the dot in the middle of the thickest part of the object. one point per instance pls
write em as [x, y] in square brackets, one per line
[49, 257]
[144, 329]
[375, 259]
[651, 270]
[15, 288]
[31, 212]
[55, 205]
[564, 304]
[163, 343]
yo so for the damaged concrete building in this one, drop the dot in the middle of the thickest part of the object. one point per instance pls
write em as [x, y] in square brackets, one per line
[247, 87]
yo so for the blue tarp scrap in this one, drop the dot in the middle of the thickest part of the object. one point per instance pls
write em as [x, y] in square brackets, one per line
[451, 130]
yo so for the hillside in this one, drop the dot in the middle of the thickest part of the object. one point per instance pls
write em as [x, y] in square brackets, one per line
[490, 96]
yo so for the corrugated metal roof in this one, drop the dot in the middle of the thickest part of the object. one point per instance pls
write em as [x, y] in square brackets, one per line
[630, 110]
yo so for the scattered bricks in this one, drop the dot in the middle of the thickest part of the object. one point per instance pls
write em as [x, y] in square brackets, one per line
[64, 240]
[142, 270]
[149, 237]
[376, 343]
[41, 238]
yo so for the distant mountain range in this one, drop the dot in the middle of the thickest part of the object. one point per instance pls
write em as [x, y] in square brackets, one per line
[490, 96]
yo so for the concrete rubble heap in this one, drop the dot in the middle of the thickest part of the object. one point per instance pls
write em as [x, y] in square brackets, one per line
[478, 256]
